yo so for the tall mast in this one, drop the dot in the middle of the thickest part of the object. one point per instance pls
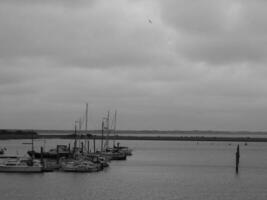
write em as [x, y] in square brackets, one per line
[80, 128]
[108, 121]
[114, 128]
[86, 122]
[86, 117]
[107, 127]
[32, 143]
[75, 133]
[102, 135]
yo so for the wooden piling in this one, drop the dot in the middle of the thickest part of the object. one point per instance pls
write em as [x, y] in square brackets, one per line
[237, 156]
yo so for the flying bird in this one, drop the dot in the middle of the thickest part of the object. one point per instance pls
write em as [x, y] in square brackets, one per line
[149, 20]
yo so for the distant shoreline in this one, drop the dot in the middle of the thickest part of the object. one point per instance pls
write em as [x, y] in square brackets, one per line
[163, 138]
[158, 132]
[29, 134]
[151, 138]
[189, 132]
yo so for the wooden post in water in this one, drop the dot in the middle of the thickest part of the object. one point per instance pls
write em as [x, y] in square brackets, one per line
[237, 156]
[69, 147]
[82, 146]
[88, 146]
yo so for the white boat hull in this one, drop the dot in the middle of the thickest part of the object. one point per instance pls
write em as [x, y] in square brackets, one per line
[23, 169]
[79, 166]
[67, 169]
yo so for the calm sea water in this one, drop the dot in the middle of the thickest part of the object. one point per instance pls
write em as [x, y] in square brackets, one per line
[157, 170]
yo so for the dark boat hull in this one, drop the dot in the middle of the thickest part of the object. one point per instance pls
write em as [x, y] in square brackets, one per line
[48, 155]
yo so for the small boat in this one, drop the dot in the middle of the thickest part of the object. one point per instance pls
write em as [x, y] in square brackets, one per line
[2, 151]
[118, 148]
[79, 166]
[111, 153]
[114, 154]
[21, 165]
[98, 159]
[124, 149]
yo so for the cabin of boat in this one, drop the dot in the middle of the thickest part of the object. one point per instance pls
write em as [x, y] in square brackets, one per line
[21, 165]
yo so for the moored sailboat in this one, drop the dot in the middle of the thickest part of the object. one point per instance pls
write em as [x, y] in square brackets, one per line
[79, 166]
[116, 152]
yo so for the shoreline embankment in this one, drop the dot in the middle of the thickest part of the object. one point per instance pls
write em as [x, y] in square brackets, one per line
[30, 134]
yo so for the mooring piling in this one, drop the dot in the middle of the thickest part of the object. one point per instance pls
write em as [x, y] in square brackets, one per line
[237, 156]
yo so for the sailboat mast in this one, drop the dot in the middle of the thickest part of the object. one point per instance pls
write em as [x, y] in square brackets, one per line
[32, 143]
[114, 128]
[102, 135]
[86, 122]
[75, 133]
[86, 116]
[107, 127]
[79, 132]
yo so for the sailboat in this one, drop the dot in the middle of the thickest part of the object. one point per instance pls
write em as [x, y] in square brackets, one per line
[80, 160]
[79, 165]
[117, 147]
[112, 153]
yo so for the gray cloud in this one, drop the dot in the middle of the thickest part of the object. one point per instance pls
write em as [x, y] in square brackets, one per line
[218, 32]
[81, 36]
[198, 65]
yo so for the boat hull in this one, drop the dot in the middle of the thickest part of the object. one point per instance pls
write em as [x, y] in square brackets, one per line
[20, 169]
[115, 156]
[79, 170]
[48, 155]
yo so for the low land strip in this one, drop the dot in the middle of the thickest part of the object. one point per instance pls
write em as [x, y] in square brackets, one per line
[29, 134]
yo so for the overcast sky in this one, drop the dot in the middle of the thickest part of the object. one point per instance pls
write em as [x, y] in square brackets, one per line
[163, 64]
